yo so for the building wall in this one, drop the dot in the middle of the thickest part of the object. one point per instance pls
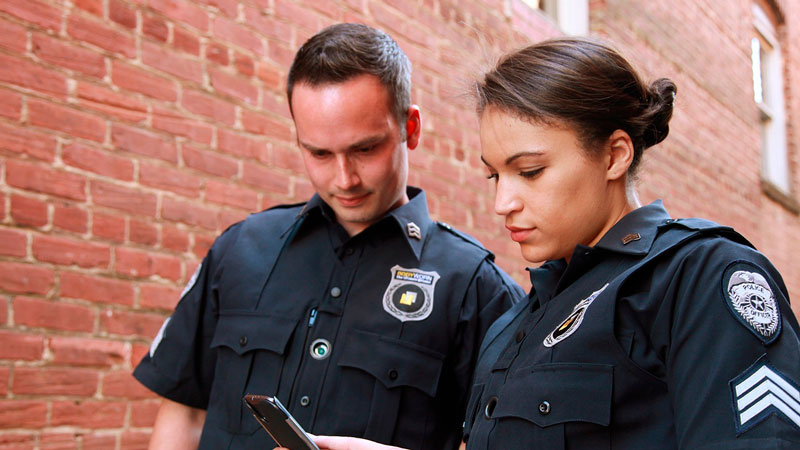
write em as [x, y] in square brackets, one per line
[132, 132]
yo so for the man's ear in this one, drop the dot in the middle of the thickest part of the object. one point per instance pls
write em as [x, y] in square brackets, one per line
[620, 154]
[413, 127]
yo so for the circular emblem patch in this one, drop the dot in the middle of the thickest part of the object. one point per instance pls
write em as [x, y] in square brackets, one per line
[409, 295]
[751, 297]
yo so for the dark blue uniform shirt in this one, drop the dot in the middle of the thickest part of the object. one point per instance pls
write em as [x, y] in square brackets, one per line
[667, 334]
[375, 335]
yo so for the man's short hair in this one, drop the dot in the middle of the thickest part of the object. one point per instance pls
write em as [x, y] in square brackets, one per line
[344, 51]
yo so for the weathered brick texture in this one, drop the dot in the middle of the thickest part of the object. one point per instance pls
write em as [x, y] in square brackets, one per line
[132, 132]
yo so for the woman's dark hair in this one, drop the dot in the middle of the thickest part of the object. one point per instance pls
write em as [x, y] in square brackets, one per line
[582, 83]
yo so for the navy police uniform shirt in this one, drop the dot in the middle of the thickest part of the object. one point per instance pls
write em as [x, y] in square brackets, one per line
[374, 336]
[666, 334]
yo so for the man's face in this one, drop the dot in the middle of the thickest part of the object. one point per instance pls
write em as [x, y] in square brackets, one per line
[352, 148]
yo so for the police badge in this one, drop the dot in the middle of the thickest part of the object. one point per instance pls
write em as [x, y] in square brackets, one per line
[750, 297]
[571, 323]
[409, 295]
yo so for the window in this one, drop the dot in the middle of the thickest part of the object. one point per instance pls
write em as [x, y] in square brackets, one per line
[572, 16]
[768, 93]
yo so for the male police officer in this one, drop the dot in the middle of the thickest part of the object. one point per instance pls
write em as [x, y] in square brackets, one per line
[360, 313]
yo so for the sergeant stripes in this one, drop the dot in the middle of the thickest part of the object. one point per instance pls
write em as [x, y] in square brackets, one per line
[762, 392]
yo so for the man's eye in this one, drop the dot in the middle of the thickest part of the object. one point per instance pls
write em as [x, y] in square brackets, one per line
[366, 149]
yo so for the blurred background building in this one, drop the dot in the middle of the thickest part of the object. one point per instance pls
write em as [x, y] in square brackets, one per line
[132, 132]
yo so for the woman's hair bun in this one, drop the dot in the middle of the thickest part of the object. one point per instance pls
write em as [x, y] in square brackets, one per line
[658, 110]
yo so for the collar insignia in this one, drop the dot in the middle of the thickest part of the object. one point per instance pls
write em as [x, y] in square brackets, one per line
[414, 231]
[630, 238]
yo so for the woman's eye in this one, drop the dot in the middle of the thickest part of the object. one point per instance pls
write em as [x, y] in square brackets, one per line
[492, 176]
[531, 173]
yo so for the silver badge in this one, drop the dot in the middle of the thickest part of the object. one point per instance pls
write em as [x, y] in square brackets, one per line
[409, 295]
[752, 298]
[573, 321]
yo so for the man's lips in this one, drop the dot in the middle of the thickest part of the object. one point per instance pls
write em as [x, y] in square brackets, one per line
[519, 234]
[350, 200]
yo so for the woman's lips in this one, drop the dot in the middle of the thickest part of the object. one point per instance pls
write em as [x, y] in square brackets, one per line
[519, 234]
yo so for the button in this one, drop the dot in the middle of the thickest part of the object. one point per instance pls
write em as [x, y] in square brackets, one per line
[304, 400]
[490, 405]
[393, 374]
[335, 292]
[520, 335]
[349, 250]
[243, 341]
[544, 408]
[320, 349]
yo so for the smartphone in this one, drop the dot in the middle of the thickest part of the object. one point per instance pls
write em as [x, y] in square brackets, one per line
[280, 425]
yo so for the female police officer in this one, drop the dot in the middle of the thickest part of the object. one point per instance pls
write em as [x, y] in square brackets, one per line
[641, 331]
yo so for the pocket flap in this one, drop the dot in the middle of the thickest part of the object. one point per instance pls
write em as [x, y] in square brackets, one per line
[243, 332]
[392, 361]
[555, 393]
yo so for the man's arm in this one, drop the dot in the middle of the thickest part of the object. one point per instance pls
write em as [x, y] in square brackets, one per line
[177, 427]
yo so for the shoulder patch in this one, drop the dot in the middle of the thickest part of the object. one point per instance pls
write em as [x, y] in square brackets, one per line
[761, 391]
[751, 298]
[465, 237]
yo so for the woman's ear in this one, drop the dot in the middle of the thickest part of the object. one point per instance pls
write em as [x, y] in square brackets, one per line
[620, 154]
[413, 127]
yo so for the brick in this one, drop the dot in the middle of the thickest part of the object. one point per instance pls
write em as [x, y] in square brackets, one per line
[209, 106]
[79, 59]
[170, 179]
[46, 381]
[144, 143]
[96, 289]
[98, 161]
[260, 123]
[22, 414]
[143, 264]
[55, 315]
[175, 123]
[185, 41]
[143, 232]
[87, 352]
[217, 53]
[229, 217]
[155, 27]
[20, 346]
[266, 178]
[61, 118]
[63, 251]
[113, 103]
[202, 243]
[33, 177]
[237, 87]
[157, 296]
[120, 13]
[142, 325]
[138, 80]
[183, 12]
[99, 441]
[267, 25]
[244, 65]
[13, 37]
[231, 195]
[276, 105]
[188, 213]
[238, 34]
[270, 76]
[109, 227]
[174, 239]
[143, 412]
[161, 58]
[25, 278]
[101, 35]
[13, 243]
[5, 374]
[137, 352]
[59, 441]
[123, 198]
[29, 75]
[281, 54]
[229, 7]
[134, 440]
[34, 12]
[10, 105]
[244, 146]
[92, 6]
[295, 14]
[88, 414]
[122, 384]
[70, 218]
[27, 142]
[209, 162]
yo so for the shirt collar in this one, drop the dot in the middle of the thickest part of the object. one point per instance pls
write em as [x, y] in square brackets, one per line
[634, 234]
[412, 218]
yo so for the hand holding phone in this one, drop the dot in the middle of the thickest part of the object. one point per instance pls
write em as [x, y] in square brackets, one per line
[280, 425]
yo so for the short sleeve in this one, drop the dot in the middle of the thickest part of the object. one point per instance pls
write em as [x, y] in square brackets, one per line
[732, 360]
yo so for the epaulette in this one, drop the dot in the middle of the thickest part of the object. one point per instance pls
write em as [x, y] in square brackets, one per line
[465, 237]
[708, 226]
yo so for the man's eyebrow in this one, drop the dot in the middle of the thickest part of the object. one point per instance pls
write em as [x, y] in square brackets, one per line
[367, 141]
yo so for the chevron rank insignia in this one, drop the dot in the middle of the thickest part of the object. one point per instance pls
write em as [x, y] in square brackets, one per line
[762, 391]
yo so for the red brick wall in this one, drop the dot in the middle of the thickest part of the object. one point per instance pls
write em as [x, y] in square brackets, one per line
[133, 131]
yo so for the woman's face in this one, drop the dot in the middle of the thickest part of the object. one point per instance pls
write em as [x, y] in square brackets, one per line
[552, 194]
